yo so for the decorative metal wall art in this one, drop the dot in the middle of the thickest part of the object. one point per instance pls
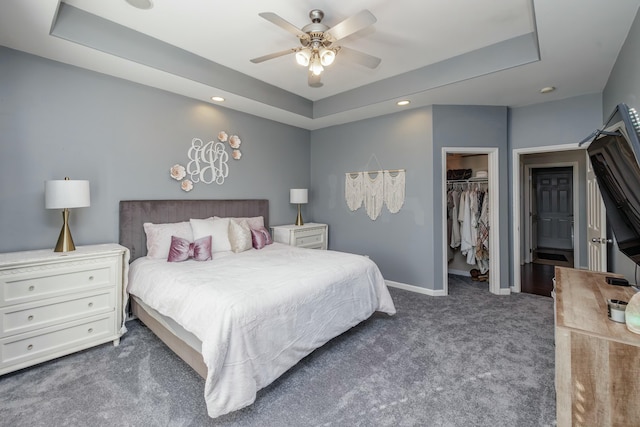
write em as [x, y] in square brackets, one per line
[208, 162]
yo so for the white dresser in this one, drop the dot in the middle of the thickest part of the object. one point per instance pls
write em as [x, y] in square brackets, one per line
[311, 235]
[53, 304]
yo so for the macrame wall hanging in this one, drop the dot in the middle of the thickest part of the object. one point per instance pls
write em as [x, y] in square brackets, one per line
[373, 189]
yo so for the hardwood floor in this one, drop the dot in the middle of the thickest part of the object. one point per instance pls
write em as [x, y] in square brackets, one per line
[537, 279]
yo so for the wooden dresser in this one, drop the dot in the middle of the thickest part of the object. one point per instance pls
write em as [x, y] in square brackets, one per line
[597, 359]
[53, 303]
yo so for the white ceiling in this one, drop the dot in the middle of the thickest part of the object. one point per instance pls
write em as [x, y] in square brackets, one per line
[578, 42]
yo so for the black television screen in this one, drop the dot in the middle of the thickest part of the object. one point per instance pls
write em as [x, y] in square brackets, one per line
[614, 155]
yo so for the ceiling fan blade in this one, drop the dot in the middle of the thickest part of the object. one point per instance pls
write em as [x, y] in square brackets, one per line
[275, 19]
[350, 25]
[273, 55]
[314, 81]
[360, 57]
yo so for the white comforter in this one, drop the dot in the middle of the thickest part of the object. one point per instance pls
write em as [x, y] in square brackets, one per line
[259, 312]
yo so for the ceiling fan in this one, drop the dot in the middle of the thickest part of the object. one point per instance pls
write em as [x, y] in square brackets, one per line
[318, 42]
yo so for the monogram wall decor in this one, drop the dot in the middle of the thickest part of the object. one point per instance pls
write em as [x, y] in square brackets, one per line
[208, 162]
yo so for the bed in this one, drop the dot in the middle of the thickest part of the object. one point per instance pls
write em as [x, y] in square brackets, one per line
[242, 319]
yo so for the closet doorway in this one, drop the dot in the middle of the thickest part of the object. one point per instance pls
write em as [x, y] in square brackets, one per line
[489, 157]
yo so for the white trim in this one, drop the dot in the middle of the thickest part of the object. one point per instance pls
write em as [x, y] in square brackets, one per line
[515, 196]
[494, 216]
[417, 289]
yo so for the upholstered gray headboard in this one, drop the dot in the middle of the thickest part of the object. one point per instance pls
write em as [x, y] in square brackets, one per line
[134, 213]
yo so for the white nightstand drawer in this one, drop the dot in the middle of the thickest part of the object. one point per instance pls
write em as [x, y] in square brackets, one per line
[26, 317]
[23, 286]
[19, 348]
[309, 237]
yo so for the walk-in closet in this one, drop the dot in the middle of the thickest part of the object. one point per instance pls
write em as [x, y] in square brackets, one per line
[468, 215]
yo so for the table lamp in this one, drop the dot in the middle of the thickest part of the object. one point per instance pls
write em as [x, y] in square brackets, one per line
[66, 194]
[298, 196]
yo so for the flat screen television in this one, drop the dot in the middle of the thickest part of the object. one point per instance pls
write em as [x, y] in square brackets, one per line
[614, 154]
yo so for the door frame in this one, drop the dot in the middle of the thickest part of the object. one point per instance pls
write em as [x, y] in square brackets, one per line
[527, 199]
[517, 178]
[494, 216]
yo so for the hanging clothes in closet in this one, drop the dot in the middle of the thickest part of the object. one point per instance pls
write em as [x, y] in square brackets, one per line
[468, 214]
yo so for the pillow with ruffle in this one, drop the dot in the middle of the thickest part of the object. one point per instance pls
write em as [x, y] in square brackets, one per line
[182, 249]
[159, 237]
[239, 235]
[261, 237]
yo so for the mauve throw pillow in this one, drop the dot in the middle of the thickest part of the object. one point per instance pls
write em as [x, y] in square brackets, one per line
[182, 249]
[261, 237]
[258, 239]
[159, 237]
[266, 233]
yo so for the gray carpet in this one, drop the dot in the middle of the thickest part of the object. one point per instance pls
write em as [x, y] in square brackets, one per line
[470, 359]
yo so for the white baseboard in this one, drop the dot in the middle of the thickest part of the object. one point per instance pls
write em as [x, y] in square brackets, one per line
[416, 289]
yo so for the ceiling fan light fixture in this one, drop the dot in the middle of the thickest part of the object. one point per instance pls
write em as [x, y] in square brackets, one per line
[303, 57]
[316, 67]
[327, 56]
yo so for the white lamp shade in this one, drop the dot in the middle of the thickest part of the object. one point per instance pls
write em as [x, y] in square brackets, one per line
[303, 57]
[60, 194]
[298, 195]
[327, 56]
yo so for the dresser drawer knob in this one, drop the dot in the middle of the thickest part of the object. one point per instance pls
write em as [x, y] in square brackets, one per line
[30, 347]
[90, 304]
[31, 288]
[90, 277]
[90, 330]
[30, 318]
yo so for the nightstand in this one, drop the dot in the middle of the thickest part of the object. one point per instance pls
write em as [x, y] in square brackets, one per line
[311, 235]
[56, 303]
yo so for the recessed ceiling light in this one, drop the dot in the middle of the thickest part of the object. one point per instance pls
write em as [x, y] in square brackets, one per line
[404, 102]
[547, 89]
[141, 4]
[217, 98]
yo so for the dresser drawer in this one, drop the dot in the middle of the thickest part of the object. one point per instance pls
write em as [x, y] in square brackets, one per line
[53, 342]
[307, 238]
[28, 285]
[25, 317]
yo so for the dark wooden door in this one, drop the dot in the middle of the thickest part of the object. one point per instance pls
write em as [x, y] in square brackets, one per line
[554, 204]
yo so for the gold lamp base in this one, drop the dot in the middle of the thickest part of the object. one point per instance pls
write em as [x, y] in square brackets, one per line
[65, 241]
[299, 220]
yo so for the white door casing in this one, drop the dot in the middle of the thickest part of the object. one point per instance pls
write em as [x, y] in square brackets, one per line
[518, 175]
[494, 217]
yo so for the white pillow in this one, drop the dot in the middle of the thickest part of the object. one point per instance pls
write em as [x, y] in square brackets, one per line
[159, 237]
[254, 222]
[240, 235]
[217, 228]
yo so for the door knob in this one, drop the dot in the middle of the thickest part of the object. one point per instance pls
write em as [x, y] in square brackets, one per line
[599, 240]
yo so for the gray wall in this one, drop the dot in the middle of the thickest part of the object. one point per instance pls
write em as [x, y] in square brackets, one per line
[407, 245]
[624, 86]
[470, 126]
[57, 121]
[567, 121]
[402, 243]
